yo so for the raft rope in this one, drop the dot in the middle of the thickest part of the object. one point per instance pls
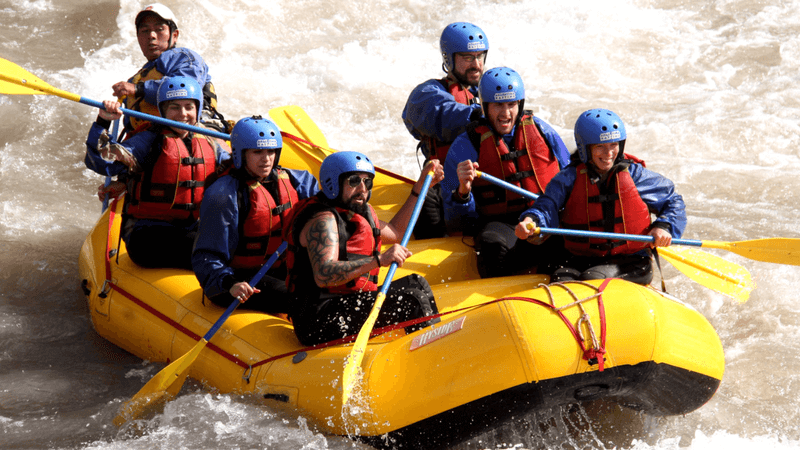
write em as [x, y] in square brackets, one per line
[109, 284]
[594, 354]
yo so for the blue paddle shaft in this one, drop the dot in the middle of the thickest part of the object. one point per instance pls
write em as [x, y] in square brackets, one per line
[509, 186]
[160, 120]
[253, 282]
[579, 233]
[616, 236]
[409, 229]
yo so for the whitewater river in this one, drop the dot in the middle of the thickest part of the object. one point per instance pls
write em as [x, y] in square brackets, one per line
[709, 91]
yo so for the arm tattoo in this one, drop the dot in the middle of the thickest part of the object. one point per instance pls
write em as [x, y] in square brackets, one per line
[323, 251]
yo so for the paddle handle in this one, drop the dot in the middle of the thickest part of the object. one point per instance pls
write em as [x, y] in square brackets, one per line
[253, 282]
[105, 199]
[114, 133]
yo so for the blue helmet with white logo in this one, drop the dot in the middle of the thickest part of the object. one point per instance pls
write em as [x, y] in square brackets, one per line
[598, 126]
[461, 37]
[179, 88]
[255, 133]
[501, 85]
[337, 164]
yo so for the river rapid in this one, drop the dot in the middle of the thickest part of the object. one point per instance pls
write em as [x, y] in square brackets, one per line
[708, 90]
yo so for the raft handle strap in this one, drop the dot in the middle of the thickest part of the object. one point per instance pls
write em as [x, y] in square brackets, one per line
[247, 374]
[105, 290]
[654, 255]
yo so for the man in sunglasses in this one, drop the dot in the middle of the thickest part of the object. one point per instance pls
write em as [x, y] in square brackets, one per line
[334, 255]
[437, 111]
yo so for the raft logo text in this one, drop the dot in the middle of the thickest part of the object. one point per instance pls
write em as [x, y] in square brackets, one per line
[437, 333]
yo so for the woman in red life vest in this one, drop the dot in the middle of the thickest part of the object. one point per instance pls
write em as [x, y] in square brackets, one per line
[242, 217]
[606, 190]
[334, 255]
[165, 169]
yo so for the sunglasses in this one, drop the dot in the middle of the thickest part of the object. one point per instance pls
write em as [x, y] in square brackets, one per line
[354, 180]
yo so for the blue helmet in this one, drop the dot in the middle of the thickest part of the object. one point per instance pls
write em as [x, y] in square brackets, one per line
[461, 37]
[501, 85]
[598, 126]
[337, 164]
[179, 88]
[255, 132]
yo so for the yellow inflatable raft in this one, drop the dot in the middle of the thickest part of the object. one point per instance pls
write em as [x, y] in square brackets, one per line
[504, 346]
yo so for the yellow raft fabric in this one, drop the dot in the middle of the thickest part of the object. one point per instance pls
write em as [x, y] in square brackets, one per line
[488, 348]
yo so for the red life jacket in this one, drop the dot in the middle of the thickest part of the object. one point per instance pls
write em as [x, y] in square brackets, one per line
[260, 231]
[589, 209]
[173, 188]
[358, 238]
[531, 165]
[438, 149]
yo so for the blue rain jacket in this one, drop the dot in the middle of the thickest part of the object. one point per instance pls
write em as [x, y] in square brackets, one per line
[431, 111]
[218, 234]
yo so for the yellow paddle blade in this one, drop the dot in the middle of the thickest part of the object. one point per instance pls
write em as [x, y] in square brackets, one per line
[296, 122]
[713, 272]
[300, 132]
[14, 80]
[164, 386]
[772, 250]
[350, 375]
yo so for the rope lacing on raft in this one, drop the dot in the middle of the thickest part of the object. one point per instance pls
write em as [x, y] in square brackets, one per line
[594, 354]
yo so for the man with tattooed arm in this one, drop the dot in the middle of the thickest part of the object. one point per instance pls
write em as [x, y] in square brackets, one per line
[334, 255]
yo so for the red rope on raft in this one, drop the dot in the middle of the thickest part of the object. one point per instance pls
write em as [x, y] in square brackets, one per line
[149, 308]
[589, 354]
